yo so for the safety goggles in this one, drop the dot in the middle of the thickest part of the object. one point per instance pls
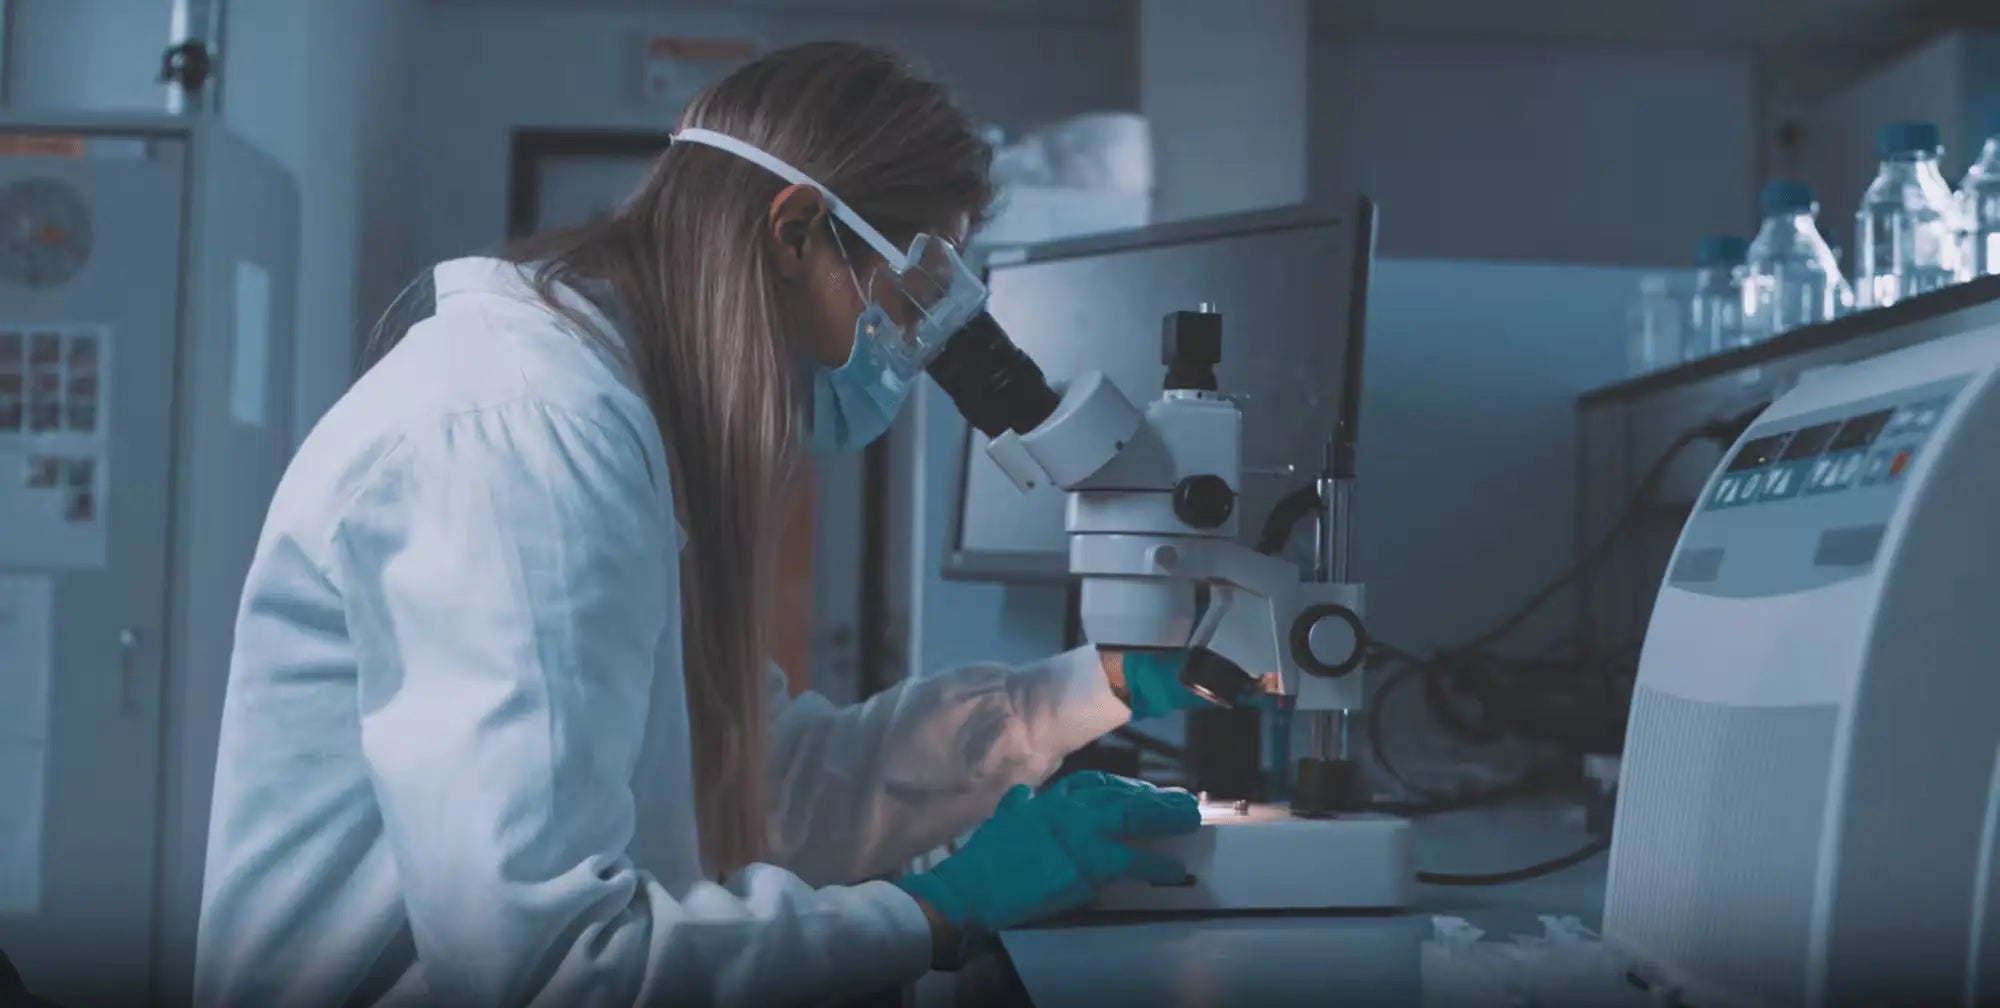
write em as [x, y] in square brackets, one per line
[926, 290]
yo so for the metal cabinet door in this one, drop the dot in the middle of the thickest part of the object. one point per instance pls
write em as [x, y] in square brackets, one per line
[82, 931]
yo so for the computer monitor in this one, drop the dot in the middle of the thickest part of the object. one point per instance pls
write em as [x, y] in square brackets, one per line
[1291, 286]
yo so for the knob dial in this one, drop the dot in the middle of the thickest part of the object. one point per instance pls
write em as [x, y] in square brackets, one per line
[1205, 501]
[1328, 640]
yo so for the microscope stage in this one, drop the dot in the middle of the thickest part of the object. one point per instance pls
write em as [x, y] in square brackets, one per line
[1261, 857]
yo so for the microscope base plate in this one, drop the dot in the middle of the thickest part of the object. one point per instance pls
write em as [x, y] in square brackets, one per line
[1264, 858]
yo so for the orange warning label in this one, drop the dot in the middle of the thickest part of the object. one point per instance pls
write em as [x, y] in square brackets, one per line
[41, 145]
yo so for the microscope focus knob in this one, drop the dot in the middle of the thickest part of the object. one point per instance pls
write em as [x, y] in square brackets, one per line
[1328, 640]
[1204, 502]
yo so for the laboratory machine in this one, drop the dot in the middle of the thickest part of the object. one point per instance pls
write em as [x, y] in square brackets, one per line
[147, 276]
[1152, 511]
[1808, 798]
[1647, 446]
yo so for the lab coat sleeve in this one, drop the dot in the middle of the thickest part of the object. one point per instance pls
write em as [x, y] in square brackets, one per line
[859, 791]
[508, 576]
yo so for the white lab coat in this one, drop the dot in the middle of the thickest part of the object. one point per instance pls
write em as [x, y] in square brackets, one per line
[454, 761]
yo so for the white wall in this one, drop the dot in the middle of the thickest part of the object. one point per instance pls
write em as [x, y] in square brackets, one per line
[324, 86]
[539, 66]
[87, 54]
[1613, 157]
[1224, 88]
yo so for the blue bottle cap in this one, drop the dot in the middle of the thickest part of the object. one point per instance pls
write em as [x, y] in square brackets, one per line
[1786, 196]
[1908, 138]
[1721, 250]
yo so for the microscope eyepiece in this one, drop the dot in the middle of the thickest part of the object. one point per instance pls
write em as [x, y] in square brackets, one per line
[996, 387]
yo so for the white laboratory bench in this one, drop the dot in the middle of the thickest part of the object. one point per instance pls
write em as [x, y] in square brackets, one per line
[1330, 959]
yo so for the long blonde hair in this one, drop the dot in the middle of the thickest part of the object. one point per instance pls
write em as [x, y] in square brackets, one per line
[687, 262]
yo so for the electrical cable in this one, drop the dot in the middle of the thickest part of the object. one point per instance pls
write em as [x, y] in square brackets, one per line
[1285, 515]
[1725, 431]
[1549, 867]
[1530, 785]
[1470, 669]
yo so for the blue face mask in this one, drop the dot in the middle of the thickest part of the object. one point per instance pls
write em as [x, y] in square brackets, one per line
[853, 404]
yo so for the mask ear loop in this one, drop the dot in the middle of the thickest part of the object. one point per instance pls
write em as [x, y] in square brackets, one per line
[860, 290]
[840, 246]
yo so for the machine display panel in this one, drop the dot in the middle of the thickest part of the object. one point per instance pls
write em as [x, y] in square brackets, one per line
[1809, 442]
[1758, 453]
[1861, 431]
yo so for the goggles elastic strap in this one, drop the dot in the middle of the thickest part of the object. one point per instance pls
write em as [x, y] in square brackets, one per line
[897, 260]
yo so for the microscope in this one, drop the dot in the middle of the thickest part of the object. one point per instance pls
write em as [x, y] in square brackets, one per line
[1152, 523]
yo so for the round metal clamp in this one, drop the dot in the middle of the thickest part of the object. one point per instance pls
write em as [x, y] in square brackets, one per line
[1312, 619]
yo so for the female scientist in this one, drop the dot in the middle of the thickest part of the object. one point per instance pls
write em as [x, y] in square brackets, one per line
[500, 726]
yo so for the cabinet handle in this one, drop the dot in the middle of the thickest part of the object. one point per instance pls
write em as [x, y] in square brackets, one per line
[128, 660]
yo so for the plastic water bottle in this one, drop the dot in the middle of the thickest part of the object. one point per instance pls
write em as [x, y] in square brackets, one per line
[1979, 202]
[1909, 230]
[1790, 276]
[1715, 306]
[1654, 339]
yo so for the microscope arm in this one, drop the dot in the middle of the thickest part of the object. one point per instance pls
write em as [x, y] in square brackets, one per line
[1296, 638]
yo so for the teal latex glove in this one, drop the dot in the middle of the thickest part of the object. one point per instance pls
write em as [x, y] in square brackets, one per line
[1153, 683]
[1043, 854]
[1153, 686]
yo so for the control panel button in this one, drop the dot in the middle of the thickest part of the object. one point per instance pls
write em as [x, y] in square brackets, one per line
[1784, 482]
[1899, 463]
[1835, 472]
[1877, 467]
[1925, 415]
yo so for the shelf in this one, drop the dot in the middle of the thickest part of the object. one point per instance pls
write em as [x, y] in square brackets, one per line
[1923, 308]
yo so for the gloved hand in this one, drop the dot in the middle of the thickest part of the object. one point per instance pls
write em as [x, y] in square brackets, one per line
[1043, 854]
[1150, 683]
